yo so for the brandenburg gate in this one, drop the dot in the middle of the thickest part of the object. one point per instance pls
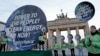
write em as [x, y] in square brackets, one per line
[64, 24]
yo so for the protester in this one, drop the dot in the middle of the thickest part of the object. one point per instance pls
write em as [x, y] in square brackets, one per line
[72, 48]
[3, 43]
[63, 48]
[80, 48]
[56, 48]
[41, 41]
[92, 42]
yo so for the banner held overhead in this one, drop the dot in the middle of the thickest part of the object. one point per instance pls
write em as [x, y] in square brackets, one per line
[24, 26]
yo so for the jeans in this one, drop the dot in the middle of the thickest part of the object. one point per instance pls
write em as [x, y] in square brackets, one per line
[55, 53]
[72, 52]
[63, 53]
[81, 52]
[41, 47]
[2, 47]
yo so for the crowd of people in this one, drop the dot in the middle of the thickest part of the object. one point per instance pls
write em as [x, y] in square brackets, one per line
[91, 42]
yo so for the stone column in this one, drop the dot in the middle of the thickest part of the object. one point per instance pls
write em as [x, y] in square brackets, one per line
[58, 34]
[77, 30]
[86, 29]
[85, 32]
[50, 34]
[45, 45]
[68, 32]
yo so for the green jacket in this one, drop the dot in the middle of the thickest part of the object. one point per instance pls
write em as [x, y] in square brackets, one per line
[95, 41]
[72, 45]
[4, 40]
[56, 46]
[64, 46]
[80, 45]
[41, 38]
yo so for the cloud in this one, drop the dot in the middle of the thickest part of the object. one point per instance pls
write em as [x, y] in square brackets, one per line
[50, 8]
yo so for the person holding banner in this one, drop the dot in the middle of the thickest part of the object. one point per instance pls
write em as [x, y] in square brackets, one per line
[3, 43]
[80, 46]
[41, 41]
[72, 48]
[92, 42]
[56, 47]
[63, 47]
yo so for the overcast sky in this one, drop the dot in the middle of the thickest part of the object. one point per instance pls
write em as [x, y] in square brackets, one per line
[50, 8]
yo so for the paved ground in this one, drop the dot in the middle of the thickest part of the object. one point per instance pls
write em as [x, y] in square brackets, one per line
[76, 52]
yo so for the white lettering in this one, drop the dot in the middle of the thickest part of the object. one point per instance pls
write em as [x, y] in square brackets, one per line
[34, 15]
[31, 28]
[14, 29]
[23, 35]
[25, 16]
